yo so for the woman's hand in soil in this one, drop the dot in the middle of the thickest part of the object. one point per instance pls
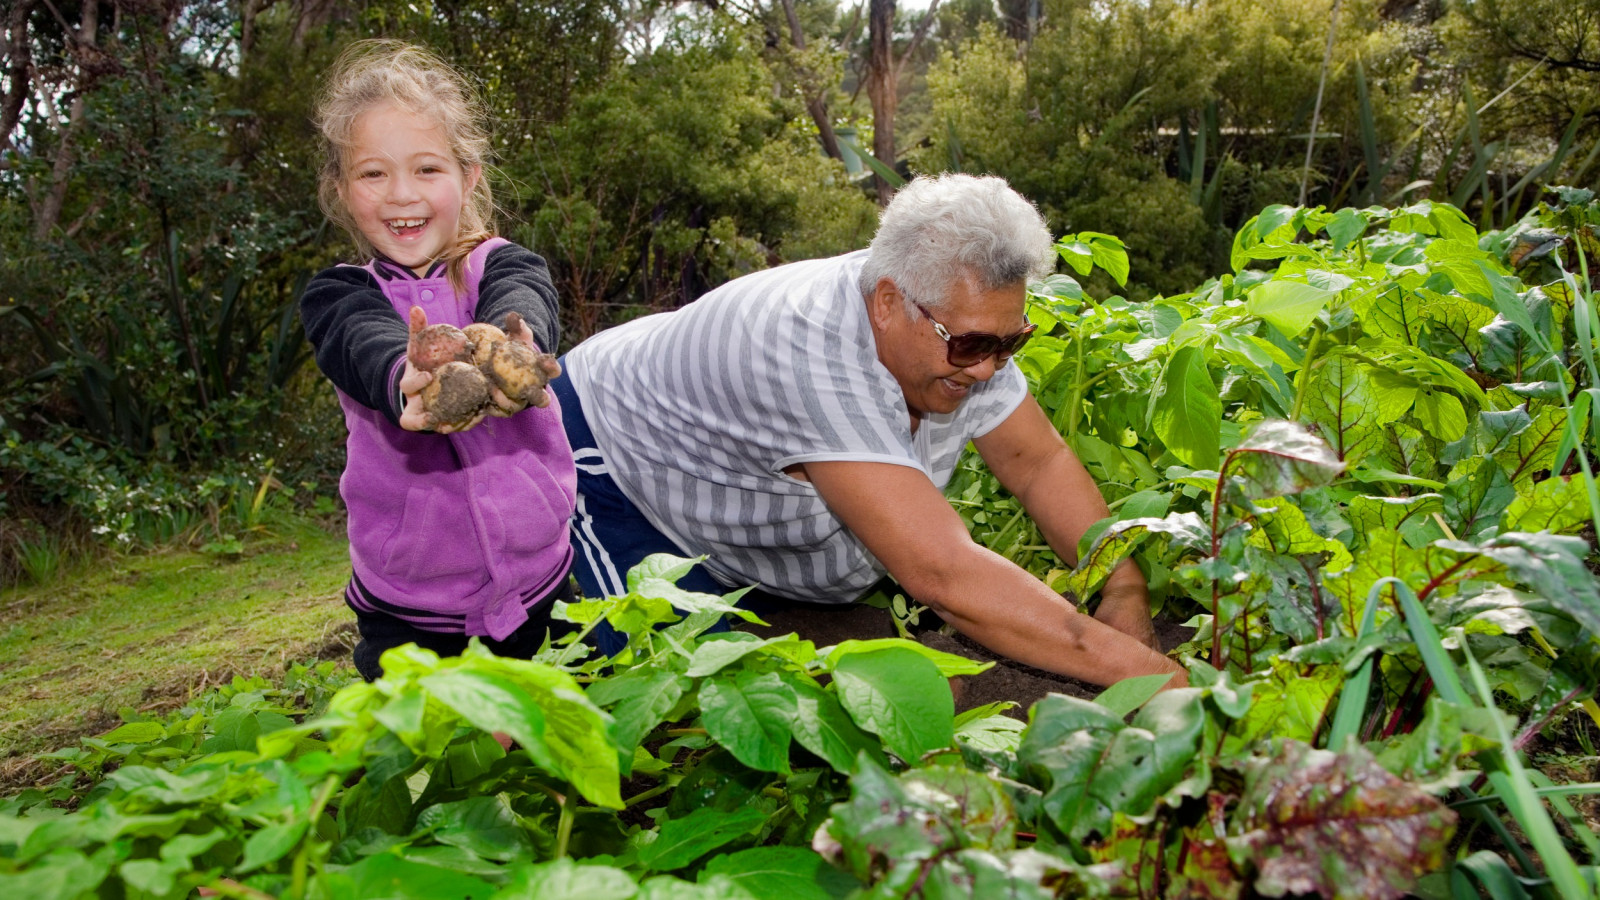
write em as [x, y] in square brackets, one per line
[1125, 605]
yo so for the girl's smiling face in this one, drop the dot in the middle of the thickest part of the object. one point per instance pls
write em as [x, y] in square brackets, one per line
[404, 186]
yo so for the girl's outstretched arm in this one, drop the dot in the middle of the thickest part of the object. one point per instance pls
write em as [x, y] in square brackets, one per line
[515, 279]
[360, 341]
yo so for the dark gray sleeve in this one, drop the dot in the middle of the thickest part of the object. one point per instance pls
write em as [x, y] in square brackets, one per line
[360, 341]
[516, 279]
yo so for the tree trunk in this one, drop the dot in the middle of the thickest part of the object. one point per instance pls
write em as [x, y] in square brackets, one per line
[48, 213]
[19, 60]
[881, 88]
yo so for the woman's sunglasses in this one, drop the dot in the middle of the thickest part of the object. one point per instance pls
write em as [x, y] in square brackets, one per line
[973, 347]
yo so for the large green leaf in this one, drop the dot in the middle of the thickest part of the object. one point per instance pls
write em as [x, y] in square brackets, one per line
[1534, 448]
[1345, 405]
[497, 694]
[717, 652]
[62, 874]
[752, 716]
[1394, 313]
[1187, 414]
[1559, 505]
[392, 878]
[1118, 542]
[1552, 565]
[640, 699]
[1291, 703]
[1476, 496]
[566, 879]
[899, 695]
[1336, 825]
[682, 841]
[271, 844]
[1278, 458]
[949, 664]
[822, 726]
[793, 873]
[1087, 249]
[483, 825]
[1288, 306]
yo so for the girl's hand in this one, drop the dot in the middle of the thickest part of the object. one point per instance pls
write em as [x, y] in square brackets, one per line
[415, 416]
[431, 348]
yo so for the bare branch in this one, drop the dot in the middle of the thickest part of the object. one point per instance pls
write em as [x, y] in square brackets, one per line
[816, 104]
[917, 37]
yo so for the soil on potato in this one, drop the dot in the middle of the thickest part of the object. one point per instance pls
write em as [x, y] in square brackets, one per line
[1007, 680]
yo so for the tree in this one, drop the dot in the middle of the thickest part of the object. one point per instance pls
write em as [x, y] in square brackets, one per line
[884, 71]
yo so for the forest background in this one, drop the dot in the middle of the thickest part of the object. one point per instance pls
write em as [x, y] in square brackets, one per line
[157, 168]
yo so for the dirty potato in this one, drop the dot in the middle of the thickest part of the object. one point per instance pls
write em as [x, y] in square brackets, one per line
[483, 337]
[431, 346]
[521, 373]
[457, 395]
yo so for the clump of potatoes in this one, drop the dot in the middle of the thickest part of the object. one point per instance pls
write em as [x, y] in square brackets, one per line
[479, 370]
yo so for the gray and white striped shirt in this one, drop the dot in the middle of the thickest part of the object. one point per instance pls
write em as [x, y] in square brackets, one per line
[698, 411]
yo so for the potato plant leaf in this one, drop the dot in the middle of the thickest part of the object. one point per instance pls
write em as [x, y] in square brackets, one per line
[752, 716]
[1129, 694]
[823, 727]
[682, 841]
[639, 699]
[1187, 413]
[948, 664]
[567, 879]
[794, 873]
[1337, 825]
[270, 844]
[1288, 306]
[389, 876]
[485, 826]
[899, 695]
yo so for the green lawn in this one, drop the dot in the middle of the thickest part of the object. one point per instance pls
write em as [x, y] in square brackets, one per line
[148, 632]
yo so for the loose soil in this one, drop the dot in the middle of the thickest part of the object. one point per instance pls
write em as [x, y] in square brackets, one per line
[1006, 680]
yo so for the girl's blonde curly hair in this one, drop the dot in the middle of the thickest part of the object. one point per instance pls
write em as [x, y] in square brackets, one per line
[373, 72]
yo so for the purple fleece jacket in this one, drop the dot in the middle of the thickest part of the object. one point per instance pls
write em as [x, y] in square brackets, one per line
[461, 532]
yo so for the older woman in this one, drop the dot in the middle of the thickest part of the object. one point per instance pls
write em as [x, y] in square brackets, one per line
[796, 426]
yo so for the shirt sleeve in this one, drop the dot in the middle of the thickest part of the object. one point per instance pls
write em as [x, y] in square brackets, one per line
[1000, 397]
[515, 279]
[360, 341]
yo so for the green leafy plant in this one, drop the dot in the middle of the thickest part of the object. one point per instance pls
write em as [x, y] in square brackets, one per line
[1356, 462]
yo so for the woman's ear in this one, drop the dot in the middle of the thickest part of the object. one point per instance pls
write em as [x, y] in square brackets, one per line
[473, 174]
[884, 301]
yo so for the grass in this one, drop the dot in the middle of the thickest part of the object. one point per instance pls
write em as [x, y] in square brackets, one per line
[149, 632]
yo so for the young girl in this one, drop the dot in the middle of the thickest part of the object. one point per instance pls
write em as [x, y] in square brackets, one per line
[461, 531]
